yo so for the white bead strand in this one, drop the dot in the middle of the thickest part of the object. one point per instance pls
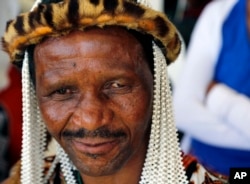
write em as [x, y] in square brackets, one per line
[67, 166]
[171, 166]
[33, 137]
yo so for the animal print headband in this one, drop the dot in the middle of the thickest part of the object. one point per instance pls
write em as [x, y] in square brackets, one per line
[55, 19]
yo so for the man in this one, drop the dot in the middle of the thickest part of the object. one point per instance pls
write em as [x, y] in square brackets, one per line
[102, 92]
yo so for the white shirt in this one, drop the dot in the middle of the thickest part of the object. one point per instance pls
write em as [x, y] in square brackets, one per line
[223, 117]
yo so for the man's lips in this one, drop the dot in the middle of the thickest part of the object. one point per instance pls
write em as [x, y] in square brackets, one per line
[94, 146]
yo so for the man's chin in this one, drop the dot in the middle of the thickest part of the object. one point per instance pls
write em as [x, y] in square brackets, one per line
[96, 170]
[97, 165]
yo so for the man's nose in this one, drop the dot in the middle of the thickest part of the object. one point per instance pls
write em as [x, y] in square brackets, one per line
[92, 113]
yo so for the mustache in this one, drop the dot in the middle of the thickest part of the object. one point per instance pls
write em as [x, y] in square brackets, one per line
[102, 132]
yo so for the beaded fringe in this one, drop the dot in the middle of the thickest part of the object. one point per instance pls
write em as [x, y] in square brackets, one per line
[34, 132]
[163, 164]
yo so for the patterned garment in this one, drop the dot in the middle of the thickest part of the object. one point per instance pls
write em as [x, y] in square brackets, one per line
[196, 174]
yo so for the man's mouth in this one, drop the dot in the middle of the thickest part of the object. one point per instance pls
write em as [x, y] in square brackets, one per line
[94, 146]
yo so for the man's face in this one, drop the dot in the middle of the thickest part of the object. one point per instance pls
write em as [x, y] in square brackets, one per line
[94, 90]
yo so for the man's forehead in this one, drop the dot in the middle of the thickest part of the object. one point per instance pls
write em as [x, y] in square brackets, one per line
[111, 42]
[107, 32]
[92, 52]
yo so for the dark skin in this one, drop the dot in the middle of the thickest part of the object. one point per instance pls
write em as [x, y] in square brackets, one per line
[96, 101]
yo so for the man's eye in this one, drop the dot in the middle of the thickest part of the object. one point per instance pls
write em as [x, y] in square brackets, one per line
[117, 85]
[62, 94]
[62, 91]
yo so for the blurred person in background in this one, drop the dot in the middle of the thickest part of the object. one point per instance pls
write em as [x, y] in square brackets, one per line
[211, 99]
[184, 14]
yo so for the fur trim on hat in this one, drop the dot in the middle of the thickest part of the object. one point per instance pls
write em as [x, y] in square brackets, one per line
[59, 18]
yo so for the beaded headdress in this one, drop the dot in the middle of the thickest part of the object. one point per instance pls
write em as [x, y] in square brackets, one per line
[48, 18]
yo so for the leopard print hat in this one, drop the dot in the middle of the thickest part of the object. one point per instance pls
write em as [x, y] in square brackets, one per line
[61, 17]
